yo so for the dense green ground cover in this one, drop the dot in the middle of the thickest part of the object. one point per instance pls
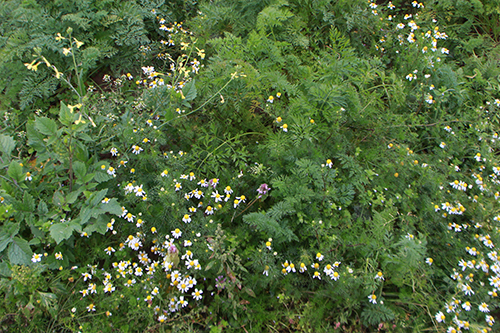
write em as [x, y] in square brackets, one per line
[249, 166]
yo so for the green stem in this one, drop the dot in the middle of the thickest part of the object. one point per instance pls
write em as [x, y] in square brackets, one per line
[80, 99]
[201, 106]
[222, 144]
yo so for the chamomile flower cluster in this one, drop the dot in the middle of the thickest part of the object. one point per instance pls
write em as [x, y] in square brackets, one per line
[316, 270]
[477, 279]
[181, 70]
[412, 32]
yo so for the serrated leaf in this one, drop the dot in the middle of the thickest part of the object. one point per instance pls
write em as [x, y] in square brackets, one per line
[53, 138]
[5, 269]
[19, 252]
[34, 241]
[7, 144]
[46, 126]
[85, 137]
[15, 171]
[4, 241]
[9, 230]
[80, 169]
[112, 207]
[28, 202]
[101, 177]
[63, 231]
[66, 117]
[97, 197]
[42, 208]
[85, 215]
[71, 198]
[86, 179]
[35, 139]
[57, 198]
[100, 225]
[189, 91]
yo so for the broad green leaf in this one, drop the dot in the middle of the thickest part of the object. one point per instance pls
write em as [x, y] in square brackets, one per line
[48, 300]
[101, 177]
[71, 198]
[4, 241]
[16, 171]
[112, 207]
[210, 265]
[86, 137]
[189, 91]
[42, 208]
[62, 231]
[100, 225]
[7, 233]
[57, 198]
[80, 169]
[53, 138]
[85, 215]
[97, 197]
[5, 185]
[46, 126]
[5, 269]
[35, 138]
[66, 117]
[36, 241]
[19, 252]
[28, 202]
[7, 144]
[86, 179]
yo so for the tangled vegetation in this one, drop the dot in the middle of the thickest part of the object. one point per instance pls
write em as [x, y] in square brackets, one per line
[256, 166]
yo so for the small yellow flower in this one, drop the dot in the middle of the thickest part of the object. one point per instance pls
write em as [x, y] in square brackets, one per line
[59, 37]
[32, 66]
[73, 107]
[58, 74]
[46, 62]
[79, 120]
[78, 43]
[201, 53]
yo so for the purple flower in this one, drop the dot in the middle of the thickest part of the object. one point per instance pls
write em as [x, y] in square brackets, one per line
[219, 282]
[172, 249]
[263, 189]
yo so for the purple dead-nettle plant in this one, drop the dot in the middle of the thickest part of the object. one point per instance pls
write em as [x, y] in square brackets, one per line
[263, 189]
[220, 282]
[172, 249]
